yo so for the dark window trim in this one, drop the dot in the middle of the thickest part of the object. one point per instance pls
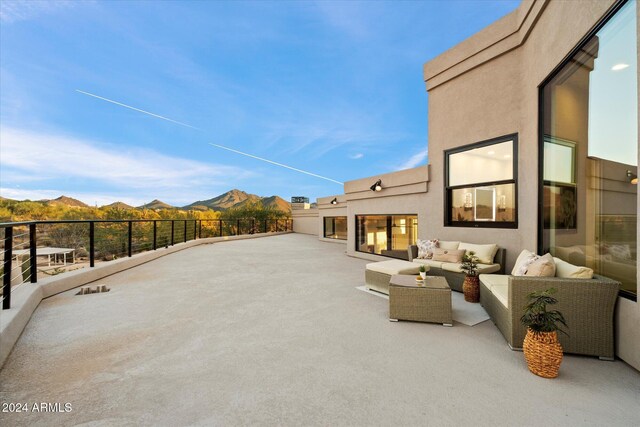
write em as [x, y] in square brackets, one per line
[359, 224]
[324, 227]
[448, 221]
[583, 41]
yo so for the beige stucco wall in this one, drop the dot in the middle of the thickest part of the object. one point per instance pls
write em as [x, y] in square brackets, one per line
[488, 87]
[305, 221]
[403, 192]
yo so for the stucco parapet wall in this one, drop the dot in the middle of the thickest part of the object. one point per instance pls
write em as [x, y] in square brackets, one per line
[506, 34]
[409, 181]
[302, 213]
[26, 297]
[325, 202]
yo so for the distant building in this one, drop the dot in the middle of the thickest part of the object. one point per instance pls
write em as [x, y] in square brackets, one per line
[300, 202]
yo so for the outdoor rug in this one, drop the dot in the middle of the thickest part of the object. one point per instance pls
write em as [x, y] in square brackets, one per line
[464, 312]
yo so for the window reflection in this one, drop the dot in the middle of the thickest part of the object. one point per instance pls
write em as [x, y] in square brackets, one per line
[387, 235]
[335, 227]
[590, 147]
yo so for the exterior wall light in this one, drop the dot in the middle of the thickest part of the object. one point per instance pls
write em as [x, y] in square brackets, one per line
[334, 201]
[377, 186]
[632, 177]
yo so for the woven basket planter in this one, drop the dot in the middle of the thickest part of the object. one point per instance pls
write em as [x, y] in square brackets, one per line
[471, 289]
[543, 353]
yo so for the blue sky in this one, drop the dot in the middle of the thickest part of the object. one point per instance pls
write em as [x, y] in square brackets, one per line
[334, 88]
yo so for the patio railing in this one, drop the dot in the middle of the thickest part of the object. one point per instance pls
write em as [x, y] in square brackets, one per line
[72, 244]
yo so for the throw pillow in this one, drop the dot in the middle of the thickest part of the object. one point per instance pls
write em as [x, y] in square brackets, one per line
[426, 247]
[524, 256]
[544, 266]
[448, 255]
[485, 253]
[564, 269]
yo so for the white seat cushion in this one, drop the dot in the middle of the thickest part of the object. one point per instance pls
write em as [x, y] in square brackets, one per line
[394, 266]
[491, 280]
[501, 292]
[428, 262]
[485, 253]
[482, 268]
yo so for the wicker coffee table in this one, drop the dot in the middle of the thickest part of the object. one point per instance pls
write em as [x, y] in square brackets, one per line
[428, 302]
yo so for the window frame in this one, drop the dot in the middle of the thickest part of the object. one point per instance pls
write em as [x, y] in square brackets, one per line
[389, 228]
[324, 227]
[448, 189]
[613, 10]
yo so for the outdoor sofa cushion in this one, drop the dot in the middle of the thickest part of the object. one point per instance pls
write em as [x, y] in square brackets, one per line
[485, 253]
[564, 269]
[482, 268]
[394, 266]
[448, 245]
[429, 262]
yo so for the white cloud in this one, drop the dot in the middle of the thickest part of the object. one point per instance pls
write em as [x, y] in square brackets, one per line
[356, 156]
[21, 10]
[415, 160]
[29, 157]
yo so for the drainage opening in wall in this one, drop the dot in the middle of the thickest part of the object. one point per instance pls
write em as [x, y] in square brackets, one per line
[85, 290]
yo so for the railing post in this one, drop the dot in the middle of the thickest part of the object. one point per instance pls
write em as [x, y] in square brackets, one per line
[173, 226]
[155, 234]
[265, 225]
[220, 227]
[92, 244]
[8, 254]
[200, 229]
[253, 226]
[237, 226]
[276, 225]
[33, 265]
[130, 238]
[195, 231]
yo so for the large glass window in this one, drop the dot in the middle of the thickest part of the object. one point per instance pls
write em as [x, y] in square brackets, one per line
[589, 147]
[335, 227]
[481, 184]
[387, 235]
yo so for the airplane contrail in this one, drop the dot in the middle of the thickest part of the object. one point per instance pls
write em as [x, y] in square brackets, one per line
[276, 163]
[215, 145]
[137, 109]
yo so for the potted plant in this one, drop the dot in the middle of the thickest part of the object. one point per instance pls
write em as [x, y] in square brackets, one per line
[541, 348]
[471, 285]
[423, 272]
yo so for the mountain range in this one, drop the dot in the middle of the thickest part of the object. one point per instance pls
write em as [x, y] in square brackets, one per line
[231, 199]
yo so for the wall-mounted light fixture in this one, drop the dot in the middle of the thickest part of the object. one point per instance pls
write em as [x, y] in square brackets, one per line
[632, 177]
[334, 201]
[377, 186]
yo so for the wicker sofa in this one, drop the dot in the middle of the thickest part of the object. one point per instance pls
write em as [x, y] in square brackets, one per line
[452, 272]
[587, 305]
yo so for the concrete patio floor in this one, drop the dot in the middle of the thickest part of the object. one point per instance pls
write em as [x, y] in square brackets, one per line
[272, 331]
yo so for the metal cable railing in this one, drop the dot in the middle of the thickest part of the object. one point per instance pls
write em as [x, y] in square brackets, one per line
[72, 244]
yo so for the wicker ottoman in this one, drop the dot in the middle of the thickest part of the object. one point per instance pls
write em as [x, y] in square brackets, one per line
[428, 302]
[377, 274]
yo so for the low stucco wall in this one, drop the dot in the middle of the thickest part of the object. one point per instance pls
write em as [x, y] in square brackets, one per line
[26, 297]
[305, 221]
